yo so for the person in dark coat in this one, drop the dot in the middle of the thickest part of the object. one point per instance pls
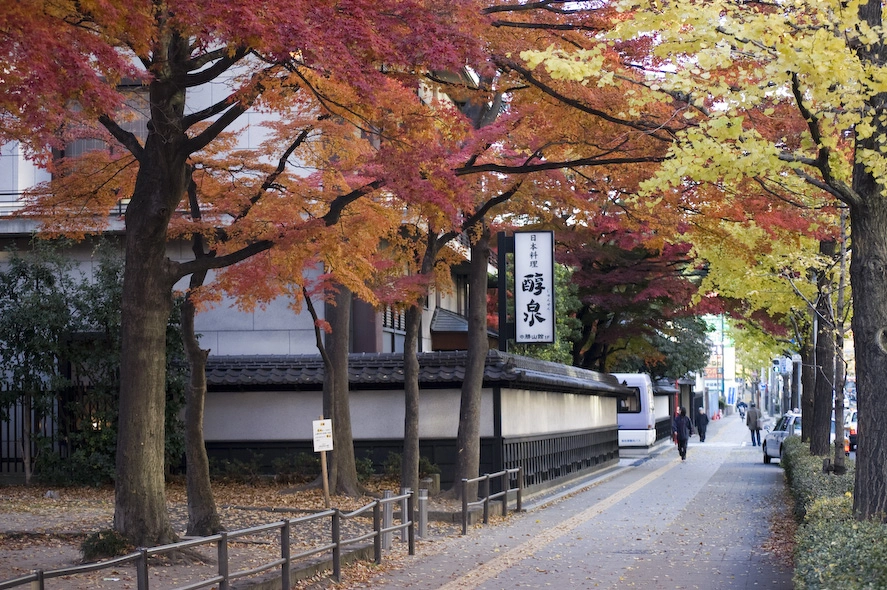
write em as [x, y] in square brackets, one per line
[681, 429]
[752, 420]
[701, 424]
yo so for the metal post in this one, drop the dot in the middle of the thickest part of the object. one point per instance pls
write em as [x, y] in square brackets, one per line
[411, 530]
[141, 570]
[486, 497]
[285, 555]
[464, 506]
[405, 512]
[387, 519]
[337, 547]
[520, 488]
[423, 513]
[377, 526]
[223, 561]
[506, 478]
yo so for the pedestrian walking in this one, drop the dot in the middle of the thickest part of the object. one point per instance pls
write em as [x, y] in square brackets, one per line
[681, 429]
[701, 424]
[753, 421]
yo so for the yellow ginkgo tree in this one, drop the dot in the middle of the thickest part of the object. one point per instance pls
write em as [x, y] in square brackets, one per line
[789, 109]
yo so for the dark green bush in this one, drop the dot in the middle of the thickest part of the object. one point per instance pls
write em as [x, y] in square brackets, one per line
[426, 467]
[81, 468]
[836, 551]
[807, 483]
[237, 470]
[393, 466]
[49, 315]
[104, 544]
[300, 468]
[833, 550]
[364, 468]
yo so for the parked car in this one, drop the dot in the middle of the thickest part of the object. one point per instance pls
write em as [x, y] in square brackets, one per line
[788, 425]
[850, 429]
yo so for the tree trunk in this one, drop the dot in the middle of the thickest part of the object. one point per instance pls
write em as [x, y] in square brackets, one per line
[413, 333]
[825, 361]
[808, 385]
[203, 517]
[409, 468]
[140, 497]
[868, 275]
[786, 392]
[140, 512]
[868, 271]
[343, 462]
[468, 438]
[840, 466]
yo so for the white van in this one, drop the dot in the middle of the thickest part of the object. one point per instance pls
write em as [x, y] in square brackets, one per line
[638, 413]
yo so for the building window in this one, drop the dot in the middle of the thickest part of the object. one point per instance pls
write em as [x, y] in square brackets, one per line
[394, 319]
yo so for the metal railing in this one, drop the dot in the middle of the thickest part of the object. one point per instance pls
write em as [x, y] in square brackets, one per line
[485, 497]
[285, 562]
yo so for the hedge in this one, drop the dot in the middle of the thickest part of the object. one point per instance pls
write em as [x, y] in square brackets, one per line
[833, 550]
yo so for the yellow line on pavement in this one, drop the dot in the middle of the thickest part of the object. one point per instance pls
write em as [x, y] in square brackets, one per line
[482, 573]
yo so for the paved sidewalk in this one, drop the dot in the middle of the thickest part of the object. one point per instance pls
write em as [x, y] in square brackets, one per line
[653, 523]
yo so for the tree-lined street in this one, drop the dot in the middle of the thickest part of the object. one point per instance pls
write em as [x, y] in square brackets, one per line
[315, 153]
[653, 522]
[656, 523]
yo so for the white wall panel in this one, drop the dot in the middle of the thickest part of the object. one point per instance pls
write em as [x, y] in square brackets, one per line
[526, 413]
[233, 416]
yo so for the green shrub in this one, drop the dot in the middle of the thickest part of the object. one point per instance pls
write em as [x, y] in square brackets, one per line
[806, 481]
[833, 550]
[299, 468]
[105, 544]
[81, 468]
[308, 465]
[426, 467]
[393, 466]
[237, 470]
[364, 468]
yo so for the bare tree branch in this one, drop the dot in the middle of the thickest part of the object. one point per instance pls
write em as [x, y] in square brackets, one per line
[129, 140]
[529, 168]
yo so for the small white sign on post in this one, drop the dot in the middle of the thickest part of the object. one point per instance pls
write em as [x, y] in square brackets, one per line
[323, 435]
[323, 442]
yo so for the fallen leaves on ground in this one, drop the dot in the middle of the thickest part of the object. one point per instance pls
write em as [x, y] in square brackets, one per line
[36, 519]
[781, 540]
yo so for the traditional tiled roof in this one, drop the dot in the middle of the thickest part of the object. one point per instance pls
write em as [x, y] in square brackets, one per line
[384, 371]
[668, 386]
[445, 320]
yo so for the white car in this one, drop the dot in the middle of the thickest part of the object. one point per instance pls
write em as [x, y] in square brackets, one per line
[788, 425]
